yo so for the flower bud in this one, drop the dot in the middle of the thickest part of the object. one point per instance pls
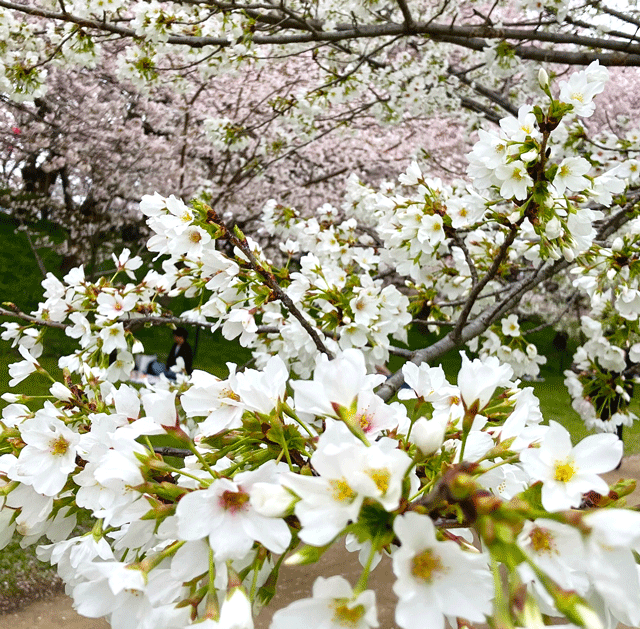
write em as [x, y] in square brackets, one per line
[543, 78]
[306, 555]
[137, 347]
[59, 391]
[590, 620]
[428, 435]
[271, 500]
[236, 610]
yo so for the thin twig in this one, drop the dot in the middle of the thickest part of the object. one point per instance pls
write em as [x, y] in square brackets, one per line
[41, 266]
[177, 452]
[438, 323]
[467, 256]
[269, 279]
[490, 274]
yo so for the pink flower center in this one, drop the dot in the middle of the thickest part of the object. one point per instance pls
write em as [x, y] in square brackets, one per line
[234, 501]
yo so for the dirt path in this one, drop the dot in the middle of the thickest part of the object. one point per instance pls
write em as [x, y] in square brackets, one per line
[57, 612]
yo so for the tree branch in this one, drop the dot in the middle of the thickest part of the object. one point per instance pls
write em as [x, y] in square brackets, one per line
[492, 95]
[406, 14]
[270, 281]
[475, 37]
[18, 314]
[490, 274]
[36, 255]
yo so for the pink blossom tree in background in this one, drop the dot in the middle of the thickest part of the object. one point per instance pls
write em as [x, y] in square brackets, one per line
[98, 140]
[477, 505]
[83, 157]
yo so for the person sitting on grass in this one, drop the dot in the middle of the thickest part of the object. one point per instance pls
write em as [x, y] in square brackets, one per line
[179, 349]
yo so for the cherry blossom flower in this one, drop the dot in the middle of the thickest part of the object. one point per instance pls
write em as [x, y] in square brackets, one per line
[329, 501]
[510, 326]
[19, 371]
[115, 305]
[436, 579]
[515, 181]
[580, 89]
[571, 175]
[333, 606]
[478, 379]
[49, 455]
[558, 550]
[216, 400]
[335, 382]
[518, 129]
[113, 338]
[569, 472]
[223, 513]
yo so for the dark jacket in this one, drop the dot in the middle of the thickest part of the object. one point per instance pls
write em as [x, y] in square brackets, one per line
[185, 352]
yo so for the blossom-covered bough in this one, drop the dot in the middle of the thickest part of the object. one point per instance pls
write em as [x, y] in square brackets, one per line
[478, 505]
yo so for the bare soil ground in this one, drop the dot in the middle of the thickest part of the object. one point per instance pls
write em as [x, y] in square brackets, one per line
[296, 582]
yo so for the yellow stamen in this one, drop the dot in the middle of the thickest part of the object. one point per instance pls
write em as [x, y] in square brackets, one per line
[347, 616]
[341, 490]
[381, 478]
[542, 540]
[59, 446]
[425, 565]
[564, 471]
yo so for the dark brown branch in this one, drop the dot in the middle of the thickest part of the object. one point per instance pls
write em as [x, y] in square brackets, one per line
[475, 37]
[406, 14]
[270, 281]
[326, 177]
[490, 274]
[479, 108]
[491, 95]
[177, 452]
[625, 17]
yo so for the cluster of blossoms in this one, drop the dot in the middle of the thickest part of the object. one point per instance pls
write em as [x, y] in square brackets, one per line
[602, 383]
[606, 363]
[197, 545]
[276, 463]
[512, 162]
[508, 344]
